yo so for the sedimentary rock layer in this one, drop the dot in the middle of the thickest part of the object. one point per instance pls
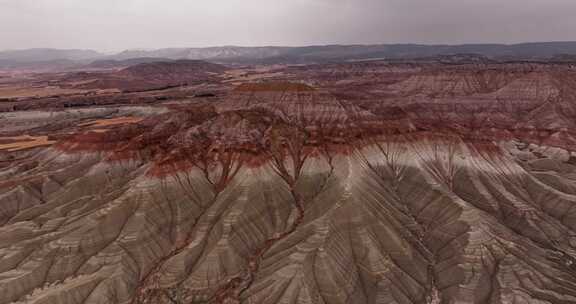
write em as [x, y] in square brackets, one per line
[287, 193]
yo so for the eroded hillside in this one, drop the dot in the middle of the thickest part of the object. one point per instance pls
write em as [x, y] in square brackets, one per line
[372, 183]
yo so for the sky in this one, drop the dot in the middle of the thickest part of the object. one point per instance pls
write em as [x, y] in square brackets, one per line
[114, 25]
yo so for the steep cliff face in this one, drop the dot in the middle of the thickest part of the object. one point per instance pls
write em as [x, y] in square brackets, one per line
[285, 193]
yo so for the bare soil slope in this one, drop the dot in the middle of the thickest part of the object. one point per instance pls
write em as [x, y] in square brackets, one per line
[372, 183]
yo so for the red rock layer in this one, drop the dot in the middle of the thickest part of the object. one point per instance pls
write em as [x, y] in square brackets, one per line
[256, 119]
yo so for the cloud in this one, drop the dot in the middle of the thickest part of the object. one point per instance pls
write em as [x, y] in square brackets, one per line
[118, 24]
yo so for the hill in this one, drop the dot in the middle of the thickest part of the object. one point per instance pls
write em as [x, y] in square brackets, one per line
[146, 76]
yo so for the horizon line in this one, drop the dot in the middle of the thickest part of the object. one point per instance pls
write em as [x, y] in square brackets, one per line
[284, 46]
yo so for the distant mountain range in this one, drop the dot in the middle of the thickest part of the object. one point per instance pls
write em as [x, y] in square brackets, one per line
[32, 55]
[295, 55]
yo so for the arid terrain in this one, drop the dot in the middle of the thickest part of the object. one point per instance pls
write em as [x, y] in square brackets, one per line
[441, 180]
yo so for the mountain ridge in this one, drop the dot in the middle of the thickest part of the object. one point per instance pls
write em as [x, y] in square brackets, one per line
[306, 54]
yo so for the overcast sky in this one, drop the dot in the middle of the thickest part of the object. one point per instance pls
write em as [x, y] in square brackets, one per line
[124, 24]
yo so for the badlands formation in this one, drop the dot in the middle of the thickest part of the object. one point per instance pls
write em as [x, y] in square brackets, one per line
[369, 182]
